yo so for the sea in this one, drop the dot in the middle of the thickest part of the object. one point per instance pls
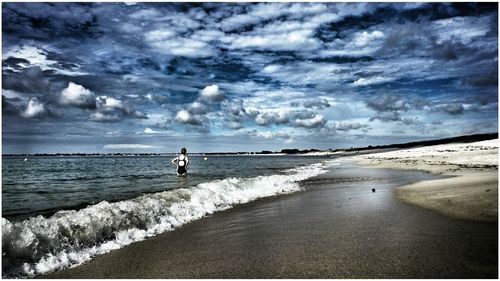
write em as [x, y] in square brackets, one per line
[60, 211]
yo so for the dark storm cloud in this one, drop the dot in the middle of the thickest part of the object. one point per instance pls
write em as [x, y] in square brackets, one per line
[46, 21]
[450, 50]
[9, 106]
[14, 63]
[483, 79]
[28, 80]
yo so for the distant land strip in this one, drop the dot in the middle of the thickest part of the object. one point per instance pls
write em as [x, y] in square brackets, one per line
[459, 139]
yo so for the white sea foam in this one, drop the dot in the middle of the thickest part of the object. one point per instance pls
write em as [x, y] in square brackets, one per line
[40, 245]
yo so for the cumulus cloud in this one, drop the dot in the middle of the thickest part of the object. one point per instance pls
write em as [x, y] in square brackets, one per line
[34, 108]
[388, 103]
[272, 118]
[198, 108]
[317, 121]
[211, 93]
[195, 113]
[109, 109]
[111, 102]
[185, 117]
[362, 39]
[77, 95]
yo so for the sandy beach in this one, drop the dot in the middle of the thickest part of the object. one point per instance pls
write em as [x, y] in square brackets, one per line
[336, 228]
[470, 190]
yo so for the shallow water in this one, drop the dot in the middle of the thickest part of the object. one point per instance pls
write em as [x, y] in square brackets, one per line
[43, 185]
[59, 212]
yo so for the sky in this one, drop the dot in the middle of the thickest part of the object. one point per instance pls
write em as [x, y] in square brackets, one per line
[155, 77]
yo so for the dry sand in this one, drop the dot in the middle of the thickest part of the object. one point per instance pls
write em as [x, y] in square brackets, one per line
[469, 192]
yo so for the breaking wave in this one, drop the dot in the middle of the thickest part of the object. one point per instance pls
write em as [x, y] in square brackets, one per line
[39, 245]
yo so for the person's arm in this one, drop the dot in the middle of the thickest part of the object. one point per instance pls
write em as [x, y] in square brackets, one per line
[187, 162]
[174, 160]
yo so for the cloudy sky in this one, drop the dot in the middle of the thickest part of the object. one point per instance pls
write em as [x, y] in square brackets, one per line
[153, 77]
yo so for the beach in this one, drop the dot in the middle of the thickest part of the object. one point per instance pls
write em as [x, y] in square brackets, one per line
[336, 227]
[470, 189]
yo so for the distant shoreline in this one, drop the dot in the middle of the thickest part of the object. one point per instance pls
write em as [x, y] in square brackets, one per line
[298, 152]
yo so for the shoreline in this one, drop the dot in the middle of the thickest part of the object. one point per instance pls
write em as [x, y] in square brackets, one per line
[337, 228]
[470, 190]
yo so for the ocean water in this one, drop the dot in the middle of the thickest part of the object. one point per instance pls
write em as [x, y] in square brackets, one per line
[62, 211]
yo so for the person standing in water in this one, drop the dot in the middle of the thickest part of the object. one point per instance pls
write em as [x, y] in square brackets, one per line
[182, 162]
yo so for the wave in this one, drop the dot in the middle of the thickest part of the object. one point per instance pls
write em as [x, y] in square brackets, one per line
[70, 237]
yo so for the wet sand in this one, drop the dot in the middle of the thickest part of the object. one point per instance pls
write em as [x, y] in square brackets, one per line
[338, 228]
